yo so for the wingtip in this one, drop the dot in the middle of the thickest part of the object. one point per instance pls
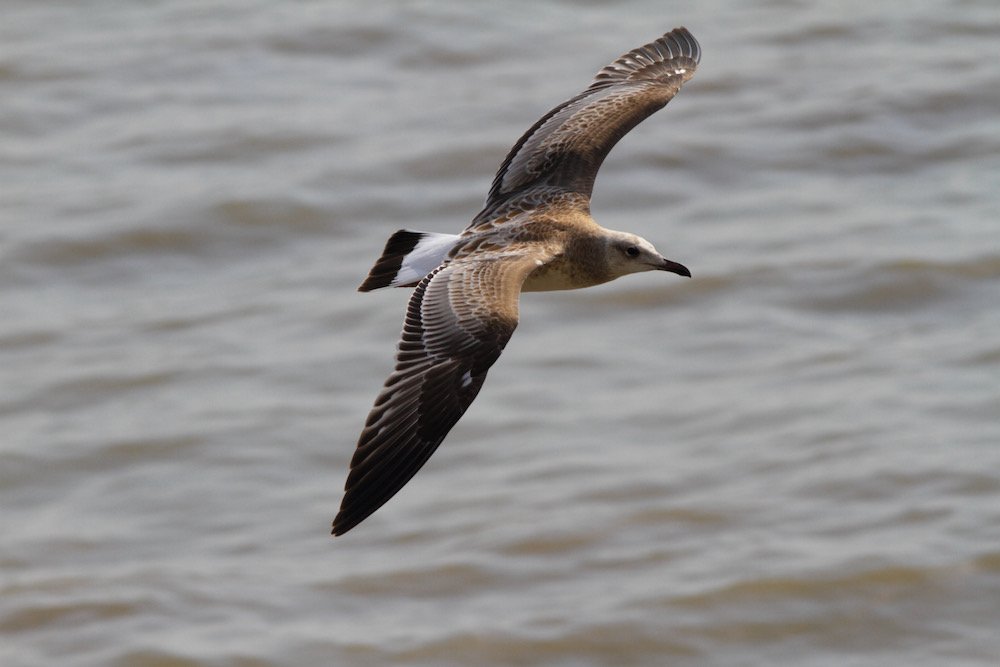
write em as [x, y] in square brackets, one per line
[693, 48]
[341, 526]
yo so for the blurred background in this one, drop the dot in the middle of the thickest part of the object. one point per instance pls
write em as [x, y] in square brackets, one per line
[792, 458]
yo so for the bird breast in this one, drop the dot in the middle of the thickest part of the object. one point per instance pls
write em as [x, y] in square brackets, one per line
[563, 273]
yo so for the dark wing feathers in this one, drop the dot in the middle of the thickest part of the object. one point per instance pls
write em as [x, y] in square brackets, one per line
[566, 147]
[458, 321]
[461, 316]
[657, 60]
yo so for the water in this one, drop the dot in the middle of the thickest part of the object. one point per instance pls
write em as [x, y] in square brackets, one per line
[790, 459]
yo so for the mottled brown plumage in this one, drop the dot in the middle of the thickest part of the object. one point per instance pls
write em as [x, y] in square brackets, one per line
[534, 233]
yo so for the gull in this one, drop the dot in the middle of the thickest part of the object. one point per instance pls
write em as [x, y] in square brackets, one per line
[535, 233]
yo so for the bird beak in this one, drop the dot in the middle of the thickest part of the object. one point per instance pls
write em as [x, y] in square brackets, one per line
[674, 267]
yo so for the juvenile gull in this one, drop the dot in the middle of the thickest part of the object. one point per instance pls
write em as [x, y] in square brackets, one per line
[534, 234]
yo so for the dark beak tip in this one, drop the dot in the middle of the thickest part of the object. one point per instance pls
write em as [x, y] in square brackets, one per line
[675, 267]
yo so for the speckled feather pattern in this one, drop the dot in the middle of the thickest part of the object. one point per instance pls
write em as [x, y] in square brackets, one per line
[534, 233]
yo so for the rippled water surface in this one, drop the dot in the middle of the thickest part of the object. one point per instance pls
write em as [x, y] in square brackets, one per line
[792, 458]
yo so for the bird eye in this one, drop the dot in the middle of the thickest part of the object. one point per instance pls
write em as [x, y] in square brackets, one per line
[632, 251]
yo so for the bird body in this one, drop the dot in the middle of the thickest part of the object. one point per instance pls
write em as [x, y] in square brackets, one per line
[535, 233]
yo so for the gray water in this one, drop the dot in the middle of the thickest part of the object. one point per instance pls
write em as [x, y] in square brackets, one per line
[792, 458]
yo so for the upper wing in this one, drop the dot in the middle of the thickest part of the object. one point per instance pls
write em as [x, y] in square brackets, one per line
[458, 321]
[566, 146]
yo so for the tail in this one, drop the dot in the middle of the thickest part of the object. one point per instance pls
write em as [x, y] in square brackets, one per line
[408, 257]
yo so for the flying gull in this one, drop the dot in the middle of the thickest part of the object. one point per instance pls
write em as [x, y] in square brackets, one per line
[534, 234]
